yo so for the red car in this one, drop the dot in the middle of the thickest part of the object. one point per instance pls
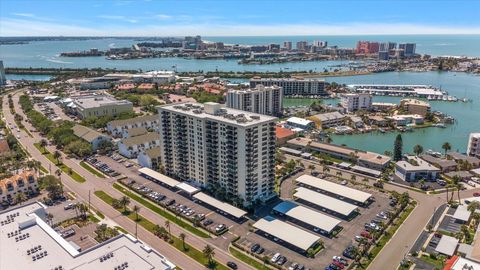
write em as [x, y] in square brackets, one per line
[366, 234]
[336, 263]
[476, 194]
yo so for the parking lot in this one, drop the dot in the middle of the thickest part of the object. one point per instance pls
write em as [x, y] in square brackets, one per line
[332, 246]
[183, 202]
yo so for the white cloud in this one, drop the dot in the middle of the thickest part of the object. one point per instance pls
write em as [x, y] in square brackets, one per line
[163, 16]
[29, 15]
[25, 27]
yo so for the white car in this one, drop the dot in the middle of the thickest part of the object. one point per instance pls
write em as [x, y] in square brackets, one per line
[275, 257]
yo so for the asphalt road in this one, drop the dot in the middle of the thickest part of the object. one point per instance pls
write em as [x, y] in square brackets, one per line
[93, 183]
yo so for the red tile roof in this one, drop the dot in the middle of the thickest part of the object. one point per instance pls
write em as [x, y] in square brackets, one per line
[281, 132]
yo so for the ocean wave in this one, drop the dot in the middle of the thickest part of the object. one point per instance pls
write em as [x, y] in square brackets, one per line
[57, 61]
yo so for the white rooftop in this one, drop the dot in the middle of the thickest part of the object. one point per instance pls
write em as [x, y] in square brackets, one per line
[307, 216]
[187, 188]
[340, 190]
[464, 264]
[325, 201]
[159, 177]
[27, 220]
[447, 245]
[225, 207]
[299, 121]
[217, 112]
[97, 101]
[462, 213]
[421, 165]
[288, 233]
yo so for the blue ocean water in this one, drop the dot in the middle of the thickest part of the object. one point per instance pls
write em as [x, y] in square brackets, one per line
[46, 53]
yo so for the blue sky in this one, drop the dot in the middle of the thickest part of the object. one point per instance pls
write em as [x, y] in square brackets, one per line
[236, 18]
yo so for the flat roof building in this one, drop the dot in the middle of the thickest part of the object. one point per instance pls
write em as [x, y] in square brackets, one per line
[473, 147]
[328, 120]
[415, 106]
[447, 245]
[351, 194]
[356, 101]
[261, 99]
[307, 216]
[414, 168]
[364, 158]
[292, 235]
[328, 203]
[225, 207]
[293, 86]
[101, 105]
[29, 228]
[299, 123]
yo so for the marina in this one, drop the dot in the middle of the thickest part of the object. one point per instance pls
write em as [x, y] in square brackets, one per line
[421, 91]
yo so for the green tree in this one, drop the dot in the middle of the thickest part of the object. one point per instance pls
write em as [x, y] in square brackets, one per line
[182, 237]
[20, 197]
[57, 155]
[43, 144]
[52, 185]
[418, 149]
[208, 253]
[397, 148]
[446, 147]
[167, 225]
[135, 209]
[124, 202]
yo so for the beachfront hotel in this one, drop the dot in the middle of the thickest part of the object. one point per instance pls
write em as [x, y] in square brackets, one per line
[261, 99]
[225, 147]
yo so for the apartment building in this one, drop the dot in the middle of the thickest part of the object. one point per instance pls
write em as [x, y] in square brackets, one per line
[414, 169]
[150, 158]
[328, 120]
[131, 147]
[293, 86]
[219, 146]
[415, 106]
[357, 101]
[99, 105]
[24, 182]
[261, 99]
[473, 147]
[93, 137]
[119, 128]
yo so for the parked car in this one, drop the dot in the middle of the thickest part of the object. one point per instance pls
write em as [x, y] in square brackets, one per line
[281, 260]
[275, 257]
[476, 194]
[359, 238]
[207, 222]
[260, 250]
[340, 259]
[293, 266]
[68, 233]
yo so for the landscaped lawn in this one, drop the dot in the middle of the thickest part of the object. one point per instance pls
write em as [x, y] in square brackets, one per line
[91, 169]
[77, 177]
[160, 211]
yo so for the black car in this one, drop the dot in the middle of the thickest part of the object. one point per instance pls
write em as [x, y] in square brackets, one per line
[232, 265]
[281, 260]
[207, 222]
[254, 247]
[260, 250]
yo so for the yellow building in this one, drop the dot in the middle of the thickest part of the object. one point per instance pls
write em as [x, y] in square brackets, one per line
[415, 106]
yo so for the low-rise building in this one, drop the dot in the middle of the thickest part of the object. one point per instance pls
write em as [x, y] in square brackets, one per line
[415, 106]
[25, 182]
[131, 147]
[132, 132]
[150, 158]
[363, 158]
[461, 158]
[93, 137]
[328, 120]
[300, 123]
[378, 121]
[29, 242]
[101, 105]
[355, 121]
[445, 165]
[356, 101]
[117, 128]
[473, 147]
[406, 119]
[383, 106]
[413, 169]
[284, 134]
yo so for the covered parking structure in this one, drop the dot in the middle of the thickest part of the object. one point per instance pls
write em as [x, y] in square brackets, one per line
[226, 208]
[189, 189]
[345, 193]
[462, 215]
[307, 217]
[325, 203]
[447, 245]
[158, 177]
[293, 237]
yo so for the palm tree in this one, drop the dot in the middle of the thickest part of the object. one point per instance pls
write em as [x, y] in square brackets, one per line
[418, 149]
[325, 169]
[474, 205]
[157, 230]
[208, 253]
[183, 236]
[57, 155]
[20, 197]
[124, 202]
[83, 210]
[49, 218]
[167, 225]
[43, 144]
[136, 208]
[447, 147]
[311, 167]
[58, 172]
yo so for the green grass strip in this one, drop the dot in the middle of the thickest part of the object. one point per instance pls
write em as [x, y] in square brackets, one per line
[247, 259]
[160, 211]
[121, 229]
[148, 225]
[75, 176]
[91, 169]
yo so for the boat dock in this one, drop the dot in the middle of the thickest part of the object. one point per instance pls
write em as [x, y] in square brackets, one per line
[414, 90]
